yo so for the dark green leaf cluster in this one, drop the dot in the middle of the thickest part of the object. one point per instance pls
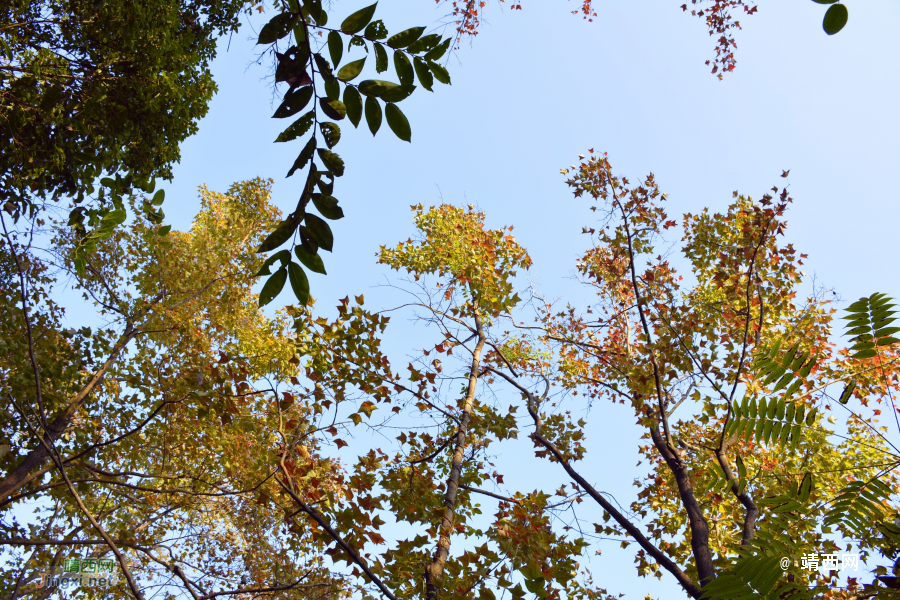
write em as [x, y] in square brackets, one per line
[772, 367]
[759, 572]
[93, 88]
[870, 324]
[860, 504]
[774, 421]
[312, 78]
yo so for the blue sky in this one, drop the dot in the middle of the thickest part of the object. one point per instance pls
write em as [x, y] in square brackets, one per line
[537, 87]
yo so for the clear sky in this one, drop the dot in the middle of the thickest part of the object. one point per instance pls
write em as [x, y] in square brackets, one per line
[537, 87]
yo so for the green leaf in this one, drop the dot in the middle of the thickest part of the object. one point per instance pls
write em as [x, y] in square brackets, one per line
[158, 198]
[294, 101]
[332, 89]
[792, 389]
[284, 256]
[785, 379]
[805, 487]
[299, 283]
[405, 38]
[307, 241]
[375, 87]
[331, 132]
[811, 417]
[279, 235]
[807, 368]
[320, 232]
[439, 51]
[273, 286]
[397, 94]
[332, 161]
[381, 59]
[311, 261]
[355, 22]
[304, 155]
[323, 66]
[795, 436]
[326, 187]
[376, 30]
[333, 108]
[314, 9]
[292, 67]
[440, 73]
[278, 27]
[404, 68]
[397, 122]
[835, 18]
[426, 42]
[373, 114]
[328, 206]
[848, 391]
[163, 231]
[297, 128]
[423, 73]
[351, 70]
[335, 47]
[353, 103]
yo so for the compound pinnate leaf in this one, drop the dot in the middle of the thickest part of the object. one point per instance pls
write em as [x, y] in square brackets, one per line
[373, 114]
[299, 283]
[273, 286]
[398, 122]
[294, 101]
[311, 261]
[320, 232]
[355, 22]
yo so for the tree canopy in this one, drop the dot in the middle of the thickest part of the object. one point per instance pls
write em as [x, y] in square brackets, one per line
[202, 444]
